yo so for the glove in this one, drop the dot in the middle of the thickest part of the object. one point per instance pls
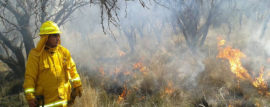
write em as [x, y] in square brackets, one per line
[32, 103]
[75, 92]
[78, 92]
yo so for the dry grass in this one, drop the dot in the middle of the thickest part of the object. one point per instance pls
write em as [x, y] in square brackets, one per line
[168, 77]
[215, 85]
[149, 89]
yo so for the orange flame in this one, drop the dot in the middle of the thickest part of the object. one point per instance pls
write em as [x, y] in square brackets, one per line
[230, 105]
[260, 83]
[257, 104]
[121, 53]
[221, 43]
[234, 56]
[123, 95]
[140, 67]
[169, 89]
[142, 98]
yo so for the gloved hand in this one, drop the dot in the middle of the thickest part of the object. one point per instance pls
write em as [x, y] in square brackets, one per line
[78, 91]
[75, 92]
[32, 103]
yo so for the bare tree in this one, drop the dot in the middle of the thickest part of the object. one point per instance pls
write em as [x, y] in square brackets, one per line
[21, 20]
[251, 10]
[262, 14]
[193, 18]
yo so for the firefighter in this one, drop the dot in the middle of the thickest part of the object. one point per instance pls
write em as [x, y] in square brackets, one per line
[50, 71]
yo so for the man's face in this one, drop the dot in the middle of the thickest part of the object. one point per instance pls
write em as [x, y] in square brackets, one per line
[53, 40]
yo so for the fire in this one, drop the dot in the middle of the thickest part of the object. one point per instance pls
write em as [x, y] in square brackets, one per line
[142, 98]
[169, 89]
[221, 43]
[142, 69]
[121, 53]
[123, 95]
[139, 66]
[260, 83]
[257, 104]
[234, 56]
[230, 105]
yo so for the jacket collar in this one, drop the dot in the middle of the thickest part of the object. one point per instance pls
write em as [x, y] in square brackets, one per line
[51, 50]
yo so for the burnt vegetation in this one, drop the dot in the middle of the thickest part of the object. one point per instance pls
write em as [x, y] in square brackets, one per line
[169, 58]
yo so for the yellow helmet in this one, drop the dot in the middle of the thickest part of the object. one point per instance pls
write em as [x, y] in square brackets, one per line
[49, 27]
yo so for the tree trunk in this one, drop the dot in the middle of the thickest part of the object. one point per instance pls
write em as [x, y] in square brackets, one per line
[17, 68]
[204, 34]
[27, 39]
[265, 26]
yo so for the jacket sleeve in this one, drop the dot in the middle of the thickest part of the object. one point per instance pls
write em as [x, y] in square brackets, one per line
[30, 76]
[74, 76]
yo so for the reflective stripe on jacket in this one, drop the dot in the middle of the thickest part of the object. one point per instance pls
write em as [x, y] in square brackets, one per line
[48, 74]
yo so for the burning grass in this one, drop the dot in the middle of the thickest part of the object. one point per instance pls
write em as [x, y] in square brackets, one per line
[173, 77]
[164, 79]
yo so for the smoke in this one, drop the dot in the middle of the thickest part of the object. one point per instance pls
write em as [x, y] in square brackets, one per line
[146, 35]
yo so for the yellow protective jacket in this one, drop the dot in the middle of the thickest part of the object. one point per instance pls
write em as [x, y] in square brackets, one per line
[48, 72]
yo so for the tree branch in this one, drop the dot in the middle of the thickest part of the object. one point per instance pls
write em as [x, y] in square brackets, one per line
[68, 14]
[6, 20]
[10, 8]
[43, 10]
[22, 5]
[7, 42]
[10, 61]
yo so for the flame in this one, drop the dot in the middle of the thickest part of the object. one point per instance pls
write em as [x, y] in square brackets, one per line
[221, 43]
[257, 104]
[260, 83]
[230, 105]
[136, 88]
[121, 53]
[139, 66]
[169, 89]
[234, 56]
[123, 95]
[142, 98]
[142, 69]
